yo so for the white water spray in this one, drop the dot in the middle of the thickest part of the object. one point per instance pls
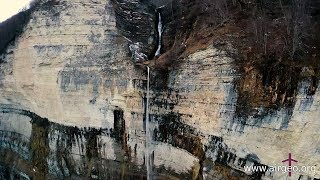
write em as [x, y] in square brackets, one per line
[148, 134]
[160, 35]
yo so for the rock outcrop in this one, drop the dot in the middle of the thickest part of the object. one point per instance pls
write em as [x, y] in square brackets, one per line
[72, 100]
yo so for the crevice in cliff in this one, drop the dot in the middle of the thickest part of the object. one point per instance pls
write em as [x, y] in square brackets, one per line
[119, 125]
[40, 148]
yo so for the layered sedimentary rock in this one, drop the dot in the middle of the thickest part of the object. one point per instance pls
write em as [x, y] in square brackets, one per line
[72, 103]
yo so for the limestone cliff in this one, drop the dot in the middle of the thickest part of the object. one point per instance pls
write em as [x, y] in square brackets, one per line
[73, 96]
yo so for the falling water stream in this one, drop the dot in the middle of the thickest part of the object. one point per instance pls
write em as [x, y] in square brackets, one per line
[160, 35]
[148, 133]
[148, 150]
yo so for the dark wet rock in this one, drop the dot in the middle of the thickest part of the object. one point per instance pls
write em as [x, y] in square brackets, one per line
[136, 21]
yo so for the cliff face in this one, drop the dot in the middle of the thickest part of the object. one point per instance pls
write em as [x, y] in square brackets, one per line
[72, 100]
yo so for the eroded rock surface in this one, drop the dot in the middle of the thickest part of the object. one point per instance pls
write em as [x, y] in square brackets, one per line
[72, 101]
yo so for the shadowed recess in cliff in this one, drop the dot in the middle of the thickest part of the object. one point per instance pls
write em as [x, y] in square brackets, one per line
[119, 125]
[135, 20]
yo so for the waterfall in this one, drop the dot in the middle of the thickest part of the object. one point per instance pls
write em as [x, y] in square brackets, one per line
[148, 133]
[159, 34]
[148, 151]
